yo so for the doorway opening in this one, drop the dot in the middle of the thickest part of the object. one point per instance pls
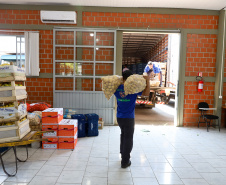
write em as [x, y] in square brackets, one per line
[163, 50]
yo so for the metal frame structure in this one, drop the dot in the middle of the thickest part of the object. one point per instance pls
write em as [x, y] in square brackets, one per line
[74, 61]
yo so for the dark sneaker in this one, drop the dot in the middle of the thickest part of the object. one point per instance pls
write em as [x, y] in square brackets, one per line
[126, 165]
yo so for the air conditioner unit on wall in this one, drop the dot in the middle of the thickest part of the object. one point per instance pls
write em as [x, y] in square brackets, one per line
[64, 17]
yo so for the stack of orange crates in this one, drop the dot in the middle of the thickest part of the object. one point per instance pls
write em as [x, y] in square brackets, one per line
[67, 132]
[50, 119]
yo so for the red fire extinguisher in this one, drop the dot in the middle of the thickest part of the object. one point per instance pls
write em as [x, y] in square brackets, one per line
[200, 85]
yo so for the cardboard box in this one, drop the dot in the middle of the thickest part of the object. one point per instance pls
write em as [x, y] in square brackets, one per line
[68, 127]
[100, 124]
[52, 115]
[68, 142]
[51, 143]
[53, 128]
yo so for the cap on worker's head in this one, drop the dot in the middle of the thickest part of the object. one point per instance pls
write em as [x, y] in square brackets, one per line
[126, 74]
[150, 63]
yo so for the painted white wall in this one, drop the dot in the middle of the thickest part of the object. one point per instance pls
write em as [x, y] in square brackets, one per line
[173, 58]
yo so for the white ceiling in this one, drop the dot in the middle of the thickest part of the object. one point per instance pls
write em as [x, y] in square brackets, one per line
[191, 4]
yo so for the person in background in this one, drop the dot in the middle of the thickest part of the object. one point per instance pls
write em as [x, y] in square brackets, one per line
[125, 68]
[151, 70]
[125, 117]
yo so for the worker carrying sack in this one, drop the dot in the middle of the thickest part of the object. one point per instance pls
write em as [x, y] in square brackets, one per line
[110, 84]
[134, 84]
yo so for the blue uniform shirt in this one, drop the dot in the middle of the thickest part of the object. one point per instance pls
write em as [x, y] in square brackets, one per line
[156, 69]
[126, 104]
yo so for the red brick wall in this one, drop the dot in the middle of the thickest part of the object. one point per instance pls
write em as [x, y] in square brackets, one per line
[111, 19]
[191, 99]
[39, 90]
[201, 55]
[64, 84]
[64, 38]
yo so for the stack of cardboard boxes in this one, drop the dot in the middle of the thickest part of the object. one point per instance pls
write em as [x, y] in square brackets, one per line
[63, 133]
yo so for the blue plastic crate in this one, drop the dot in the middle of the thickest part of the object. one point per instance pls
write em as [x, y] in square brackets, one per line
[82, 124]
[92, 124]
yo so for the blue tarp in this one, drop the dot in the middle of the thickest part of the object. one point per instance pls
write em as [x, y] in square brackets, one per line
[12, 57]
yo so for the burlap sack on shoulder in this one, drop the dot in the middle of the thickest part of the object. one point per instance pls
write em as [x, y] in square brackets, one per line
[110, 84]
[134, 84]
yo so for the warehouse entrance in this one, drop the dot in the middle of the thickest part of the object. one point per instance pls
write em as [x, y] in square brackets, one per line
[163, 50]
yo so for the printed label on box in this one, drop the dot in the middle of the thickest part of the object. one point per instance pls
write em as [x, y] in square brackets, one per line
[52, 128]
[49, 146]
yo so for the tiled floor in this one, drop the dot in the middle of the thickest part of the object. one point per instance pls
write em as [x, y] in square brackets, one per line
[165, 155]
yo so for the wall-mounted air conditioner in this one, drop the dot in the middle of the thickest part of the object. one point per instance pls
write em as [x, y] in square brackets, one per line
[64, 17]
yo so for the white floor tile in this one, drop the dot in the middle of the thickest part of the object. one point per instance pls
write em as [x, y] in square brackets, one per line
[115, 166]
[40, 157]
[161, 167]
[165, 155]
[214, 178]
[194, 182]
[114, 157]
[32, 165]
[57, 161]
[96, 161]
[75, 165]
[96, 171]
[37, 180]
[67, 184]
[3, 178]
[195, 159]
[23, 176]
[145, 181]
[79, 156]
[99, 153]
[119, 178]
[179, 163]
[71, 177]
[187, 173]
[203, 167]
[168, 178]
[49, 170]
[222, 171]
[156, 158]
[142, 161]
[94, 181]
[14, 183]
[141, 172]
[62, 153]
[217, 163]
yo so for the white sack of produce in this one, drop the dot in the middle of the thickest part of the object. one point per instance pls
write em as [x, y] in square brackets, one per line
[134, 84]
[110, 84]
[34, 119]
